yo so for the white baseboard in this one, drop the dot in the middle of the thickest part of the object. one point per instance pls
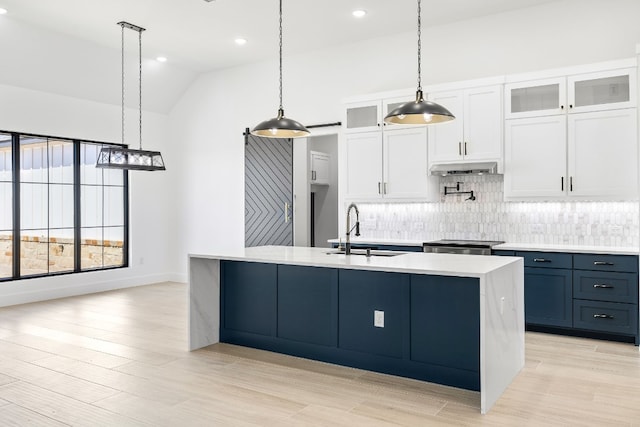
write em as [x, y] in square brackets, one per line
[42, 289]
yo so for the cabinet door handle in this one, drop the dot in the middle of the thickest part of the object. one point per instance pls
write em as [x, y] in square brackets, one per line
[570, 183]
[570, 105]
[562, 107]
[541, 260]
[603, 286]
[602, 316]
[286, 212]
[465, 148]
[459, 148]
[602, 263]
[313, 175]
[562, 183]
[384, 188]
[379, 188]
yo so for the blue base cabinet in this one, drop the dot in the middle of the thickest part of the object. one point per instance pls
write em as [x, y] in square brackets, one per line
[593, 295]
[430, 329]
[548, 296]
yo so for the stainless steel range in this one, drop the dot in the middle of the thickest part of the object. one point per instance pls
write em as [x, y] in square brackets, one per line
[470, 247]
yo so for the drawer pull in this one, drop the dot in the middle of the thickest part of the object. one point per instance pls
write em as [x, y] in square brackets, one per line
[603, 286]
[602, 263]
[541, 260]
[602, 316]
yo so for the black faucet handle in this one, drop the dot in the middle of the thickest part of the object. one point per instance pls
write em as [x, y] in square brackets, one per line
[357, 228]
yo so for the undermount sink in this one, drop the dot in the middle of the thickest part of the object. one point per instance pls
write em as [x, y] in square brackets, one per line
[363, 252]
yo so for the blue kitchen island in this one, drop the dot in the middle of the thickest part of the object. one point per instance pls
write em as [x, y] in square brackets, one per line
[456, 320]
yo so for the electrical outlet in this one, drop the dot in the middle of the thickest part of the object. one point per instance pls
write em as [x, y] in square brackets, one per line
[378, 319]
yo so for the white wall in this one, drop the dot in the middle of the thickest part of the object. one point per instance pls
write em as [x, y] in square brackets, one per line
[209, 119]
[152, 194]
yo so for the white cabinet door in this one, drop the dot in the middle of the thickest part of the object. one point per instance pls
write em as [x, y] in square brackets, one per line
[364, 165]
[446, 139]
[603, 154]
[363, 116]
[482, 123]
[535, 157]
[405, 164]
[606, 90]
[319, 168]
[535, 98]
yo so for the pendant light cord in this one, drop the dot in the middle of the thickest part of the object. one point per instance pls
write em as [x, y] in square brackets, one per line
[419, 46]
[280, 52]
[122, 74]
[140, 83]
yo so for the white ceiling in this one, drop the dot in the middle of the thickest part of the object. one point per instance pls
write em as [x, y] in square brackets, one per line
[199, 36]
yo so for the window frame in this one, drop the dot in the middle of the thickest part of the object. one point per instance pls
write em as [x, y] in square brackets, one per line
[77, 209]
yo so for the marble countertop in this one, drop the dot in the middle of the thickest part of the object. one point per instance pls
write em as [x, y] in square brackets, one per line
[542, 247]
[612, 250]
[406, 262]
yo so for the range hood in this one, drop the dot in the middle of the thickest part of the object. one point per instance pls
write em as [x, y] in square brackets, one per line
[477, 168]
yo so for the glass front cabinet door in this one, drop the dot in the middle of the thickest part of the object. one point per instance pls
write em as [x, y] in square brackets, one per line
[577, 93]
[535, 98]
[607, 90]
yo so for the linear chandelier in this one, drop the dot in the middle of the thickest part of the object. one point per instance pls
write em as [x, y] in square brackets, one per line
[121, 157]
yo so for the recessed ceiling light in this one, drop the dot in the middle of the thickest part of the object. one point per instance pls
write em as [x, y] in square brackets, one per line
[3, 11]
[161, 59]
[359, 13]
[240, 41]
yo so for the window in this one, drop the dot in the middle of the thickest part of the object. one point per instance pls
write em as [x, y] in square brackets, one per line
[6, 203]
[102, 212]
[65, 214]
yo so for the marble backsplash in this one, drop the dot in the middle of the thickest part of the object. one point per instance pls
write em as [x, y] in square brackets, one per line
[490, 218]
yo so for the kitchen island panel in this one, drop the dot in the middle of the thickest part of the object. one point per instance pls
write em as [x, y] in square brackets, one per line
[308, 304]
[251, 304]
[362, 293]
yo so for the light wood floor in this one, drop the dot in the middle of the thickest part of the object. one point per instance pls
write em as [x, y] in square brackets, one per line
[118, 359]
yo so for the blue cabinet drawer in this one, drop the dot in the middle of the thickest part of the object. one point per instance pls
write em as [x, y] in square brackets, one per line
[605, 286]
[503, 253]
[546, 259]
[628, 263]
[605, 316]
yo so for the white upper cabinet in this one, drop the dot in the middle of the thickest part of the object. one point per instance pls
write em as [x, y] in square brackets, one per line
[363, 159]
[535, 158]
[389, 165]
[319, 168]
[476, 133]
[603, 154]
[535, 98]
[405, 173]
[602, 91]
[578, 93]
[363, 116]
[573, 136]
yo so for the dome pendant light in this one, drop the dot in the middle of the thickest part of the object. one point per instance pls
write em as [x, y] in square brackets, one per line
[419, 112]
[280, 126]
[114, 157]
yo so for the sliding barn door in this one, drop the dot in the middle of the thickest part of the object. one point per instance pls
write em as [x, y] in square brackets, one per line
[268, 191]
